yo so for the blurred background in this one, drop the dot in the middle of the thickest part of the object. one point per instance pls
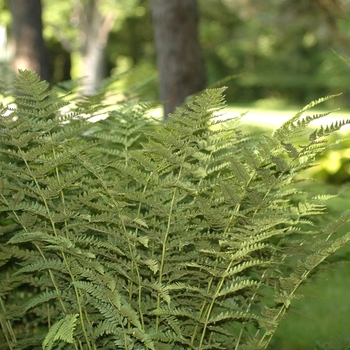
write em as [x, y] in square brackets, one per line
[275, 56]
[279, 52]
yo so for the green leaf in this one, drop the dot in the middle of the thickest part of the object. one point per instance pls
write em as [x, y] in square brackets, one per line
[61, 330]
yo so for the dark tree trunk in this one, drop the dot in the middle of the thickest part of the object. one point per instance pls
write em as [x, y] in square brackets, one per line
[29, 46]
[179, 56]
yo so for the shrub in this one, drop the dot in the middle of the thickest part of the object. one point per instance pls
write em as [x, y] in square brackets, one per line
[196, 238]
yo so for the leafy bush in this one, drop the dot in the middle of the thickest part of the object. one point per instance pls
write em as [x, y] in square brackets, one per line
[197, 238]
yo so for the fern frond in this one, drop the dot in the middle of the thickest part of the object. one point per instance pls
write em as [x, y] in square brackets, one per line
[42, 264]
[61, 330]
[102, 294]
[307, 120]
[42, 298]
[128, 234]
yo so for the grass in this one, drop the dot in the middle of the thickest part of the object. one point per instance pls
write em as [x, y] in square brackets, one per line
[274, 117]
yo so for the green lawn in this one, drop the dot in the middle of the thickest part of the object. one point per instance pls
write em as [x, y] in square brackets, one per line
[271, 116]
[274, 117]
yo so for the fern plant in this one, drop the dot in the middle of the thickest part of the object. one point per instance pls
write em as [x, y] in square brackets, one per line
[198, 237]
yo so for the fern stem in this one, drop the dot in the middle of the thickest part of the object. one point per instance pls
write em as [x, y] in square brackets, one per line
[80, 309]
[7, 327]
[205, 303]
[91, 169]
[77, 292]
[220, 284]
[48, 311]
[56, 287]
[323, 255]
[44, 258]
[210, 308]
[63, 254]
[167, 232]
[162, 262]
[52, 278]
[138, 273]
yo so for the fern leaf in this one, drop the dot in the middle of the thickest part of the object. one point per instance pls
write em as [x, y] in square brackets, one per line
[307, 107]
[105, 295]
[229, 315]
[160, 289]
[234, 287]
[61, 330]
[42, 299]
[40, 265]
[240, 172]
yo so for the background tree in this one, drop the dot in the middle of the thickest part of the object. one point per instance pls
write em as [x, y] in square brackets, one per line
[83, 28]
[283, 47]
[28, 42]
[179, 56]
[95, 26]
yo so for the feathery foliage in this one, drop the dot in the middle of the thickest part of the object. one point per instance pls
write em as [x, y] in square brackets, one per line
[187, 235]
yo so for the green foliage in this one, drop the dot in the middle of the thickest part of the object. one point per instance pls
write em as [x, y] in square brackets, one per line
[338, 344]
[333, 165]
[195, 238]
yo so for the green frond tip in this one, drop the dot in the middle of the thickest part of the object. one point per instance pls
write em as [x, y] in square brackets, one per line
[203, 106]
[29, 84]
[7, 77]
[297, 116]
[42, 298]
[310, 105]
[61, 330]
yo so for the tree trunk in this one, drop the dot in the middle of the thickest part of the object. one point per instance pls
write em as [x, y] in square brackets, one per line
[179, 56]
[28, 42]
[96, 27]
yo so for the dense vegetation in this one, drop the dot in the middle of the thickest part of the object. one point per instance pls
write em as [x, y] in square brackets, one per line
[132, 235]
